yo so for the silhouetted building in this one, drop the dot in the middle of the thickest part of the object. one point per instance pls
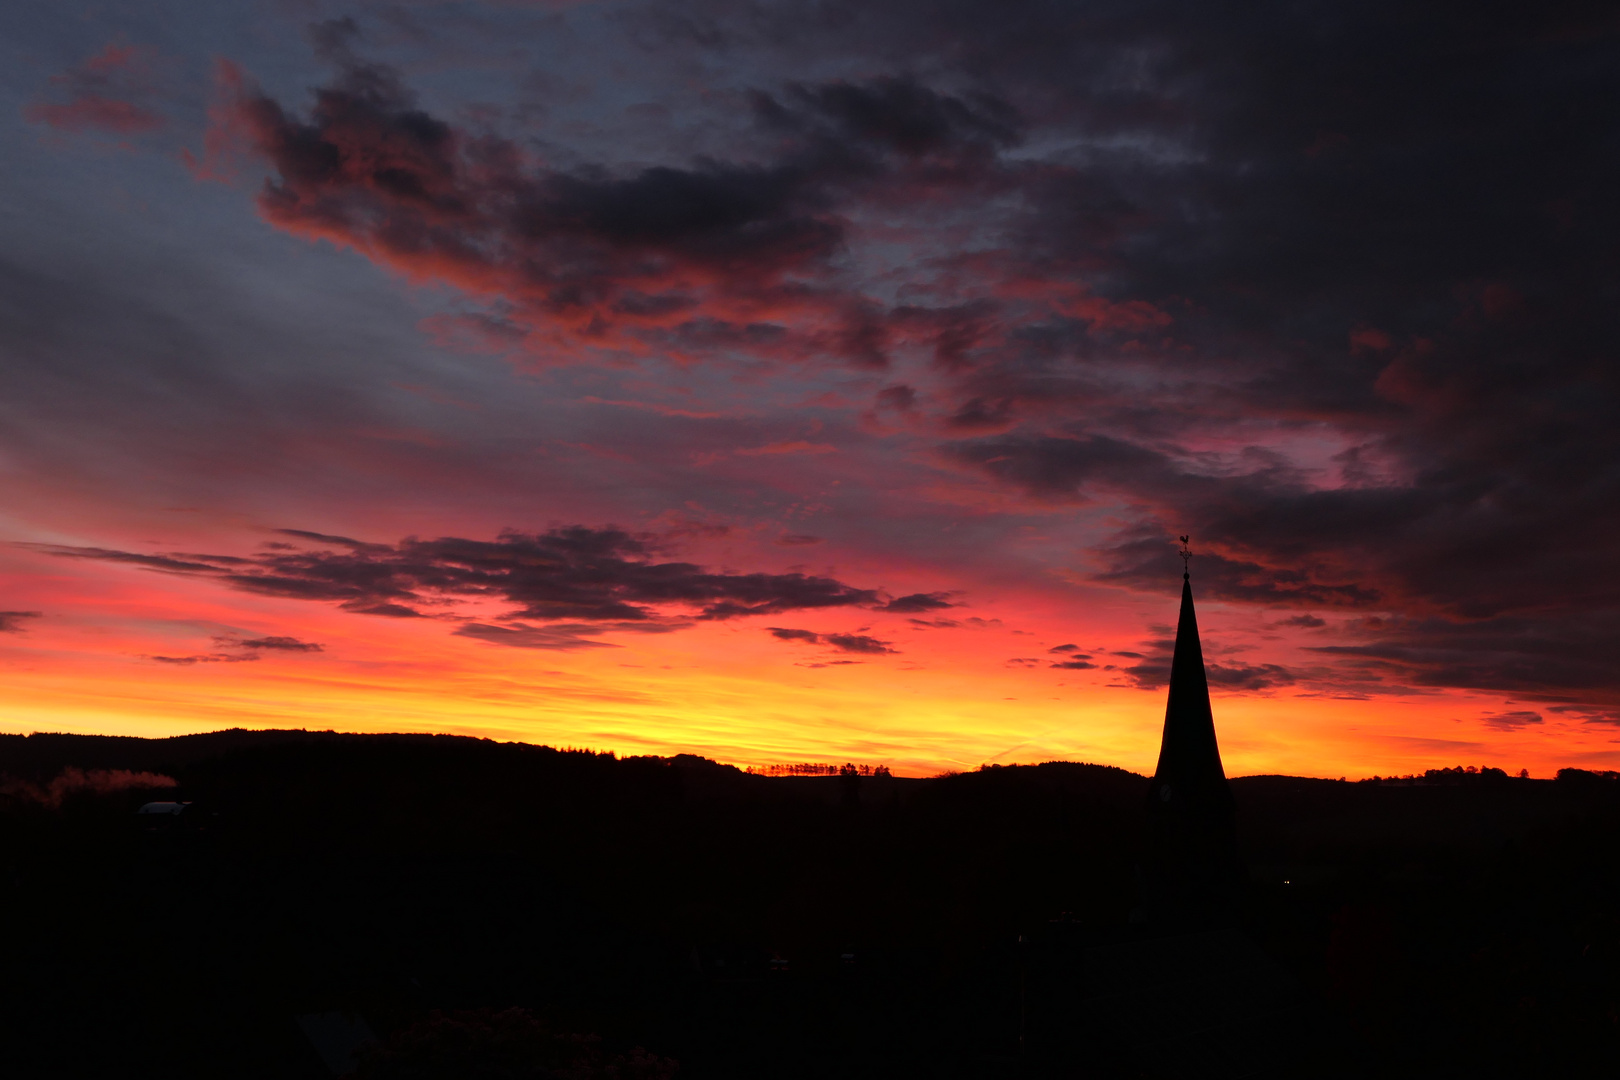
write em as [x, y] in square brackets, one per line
[1184, 992]
[1190, 872]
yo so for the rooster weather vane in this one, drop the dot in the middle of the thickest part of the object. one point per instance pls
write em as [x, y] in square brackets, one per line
[1186, 554]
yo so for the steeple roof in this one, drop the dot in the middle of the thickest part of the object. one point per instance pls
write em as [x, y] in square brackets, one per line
[1189, 779]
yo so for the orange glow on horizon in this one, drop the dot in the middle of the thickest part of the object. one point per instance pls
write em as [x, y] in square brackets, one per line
[947, 700]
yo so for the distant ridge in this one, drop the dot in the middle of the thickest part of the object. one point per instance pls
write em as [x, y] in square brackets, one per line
[44, 753]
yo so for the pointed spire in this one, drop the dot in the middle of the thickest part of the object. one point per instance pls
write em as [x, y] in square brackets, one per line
[1189, 773]
[1190, 866]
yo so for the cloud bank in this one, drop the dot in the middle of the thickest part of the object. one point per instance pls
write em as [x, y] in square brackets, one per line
[580, 581]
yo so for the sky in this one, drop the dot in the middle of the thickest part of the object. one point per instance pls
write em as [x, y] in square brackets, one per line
[816, 381]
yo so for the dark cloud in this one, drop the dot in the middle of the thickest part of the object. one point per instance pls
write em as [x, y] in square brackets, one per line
[1338, 223]
[1152, 670]
[247, 649]
[1246, 677]
[1570, 662]
[194, 564]
[321, 538]
[1070, 657]
[570, 577]
[917, 603]
[850, 643]
[276, 643]
[206, 658]
[587, 249]
[1153, 673]
[568, 573]
[858, 643]
[899, 398]
[1150, 562]
[1510, 720]
[562, 637]
[11, 622]
[706, 258]
[1451, 557]
[901, 115]
[1304, 622]
[387, 610]
[1065, 467]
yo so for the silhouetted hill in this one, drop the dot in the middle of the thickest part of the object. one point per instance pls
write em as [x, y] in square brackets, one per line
[745, 925]
[44, 754]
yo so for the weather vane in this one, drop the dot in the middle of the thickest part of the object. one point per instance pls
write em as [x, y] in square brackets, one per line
[1185, 554]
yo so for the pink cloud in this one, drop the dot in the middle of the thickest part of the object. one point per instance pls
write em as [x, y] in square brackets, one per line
[104, 94]
[797, 446]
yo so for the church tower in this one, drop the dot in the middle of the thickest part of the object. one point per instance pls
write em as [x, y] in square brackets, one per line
[1190, 868]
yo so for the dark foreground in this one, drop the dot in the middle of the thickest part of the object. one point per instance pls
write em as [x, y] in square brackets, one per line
[497, 910]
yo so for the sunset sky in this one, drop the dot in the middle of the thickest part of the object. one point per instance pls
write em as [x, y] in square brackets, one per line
[816, 381]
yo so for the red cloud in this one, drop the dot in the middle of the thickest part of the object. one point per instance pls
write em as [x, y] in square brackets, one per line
[709, 260]
[715, 256]
[103, 94]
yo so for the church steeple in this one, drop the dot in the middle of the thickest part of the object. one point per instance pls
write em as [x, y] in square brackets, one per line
[1190, 866]
[1189, 775]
